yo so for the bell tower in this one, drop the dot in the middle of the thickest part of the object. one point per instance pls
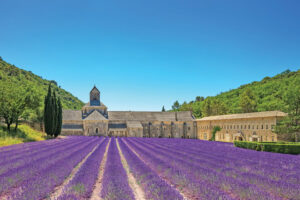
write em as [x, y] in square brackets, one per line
[95, 97]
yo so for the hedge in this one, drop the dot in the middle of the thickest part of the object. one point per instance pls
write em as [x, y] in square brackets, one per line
[277, 147]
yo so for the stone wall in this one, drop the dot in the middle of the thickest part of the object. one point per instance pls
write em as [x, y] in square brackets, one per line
[253, 129]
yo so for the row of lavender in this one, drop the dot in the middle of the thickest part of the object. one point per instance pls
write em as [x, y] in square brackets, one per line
[164, 169]
[212, 170]
[34, 172]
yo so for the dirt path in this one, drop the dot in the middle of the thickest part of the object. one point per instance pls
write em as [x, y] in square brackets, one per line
[98, 186]
[59, 189]
[183, 195]
[137, 190]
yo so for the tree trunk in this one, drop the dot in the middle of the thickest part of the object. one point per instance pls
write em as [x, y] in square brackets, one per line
[17, 123]
[8, 126]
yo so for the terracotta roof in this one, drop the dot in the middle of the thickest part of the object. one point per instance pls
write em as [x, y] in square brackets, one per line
[95, 115]
[72, 115]
[245, 115]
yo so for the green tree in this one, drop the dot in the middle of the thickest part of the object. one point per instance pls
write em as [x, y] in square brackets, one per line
[207, 109]
[218, 107]
[15, 99]
[176, 106]
[47, 112]
[248, 101]
[199, 98]
[291, 124]
[59, 118]
[163, 109]
[52, 113]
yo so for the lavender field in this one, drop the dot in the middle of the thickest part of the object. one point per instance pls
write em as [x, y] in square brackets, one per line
[144, 168]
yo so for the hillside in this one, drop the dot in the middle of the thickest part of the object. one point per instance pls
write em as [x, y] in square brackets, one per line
[39, 85]
[269, 94]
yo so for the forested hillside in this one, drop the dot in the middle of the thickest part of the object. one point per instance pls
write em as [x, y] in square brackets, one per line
[21, 79]
[265, 95]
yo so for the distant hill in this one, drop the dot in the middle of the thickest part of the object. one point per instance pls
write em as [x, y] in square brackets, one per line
[269, 93]
[40, 85]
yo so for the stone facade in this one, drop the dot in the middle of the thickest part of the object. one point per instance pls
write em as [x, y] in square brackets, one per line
[246, 127]
[95, 119]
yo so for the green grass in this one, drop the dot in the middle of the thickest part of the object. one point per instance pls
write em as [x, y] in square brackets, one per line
[24, 134]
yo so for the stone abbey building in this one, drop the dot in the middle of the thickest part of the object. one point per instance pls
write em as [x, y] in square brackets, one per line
[95, 119]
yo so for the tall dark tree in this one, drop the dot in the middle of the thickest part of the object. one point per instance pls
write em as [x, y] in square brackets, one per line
[48, 119]
[52, 113]
[163, 109]
[59, 118]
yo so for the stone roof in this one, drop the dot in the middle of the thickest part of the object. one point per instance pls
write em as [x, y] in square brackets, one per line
[245, 115]
[72, 115]
[134, 124]
[149, 116]
[95, 115]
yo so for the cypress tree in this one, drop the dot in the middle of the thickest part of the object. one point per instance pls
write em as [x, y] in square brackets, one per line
[59, 118]
[47, 112]
[54, 114]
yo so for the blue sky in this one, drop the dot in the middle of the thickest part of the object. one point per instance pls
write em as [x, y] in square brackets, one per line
[144, 54]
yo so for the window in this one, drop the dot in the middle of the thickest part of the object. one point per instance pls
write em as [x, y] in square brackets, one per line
[96, 130]
[245, 126]
[230, 126]
[267, 126]
[205, 136]
[262, 126]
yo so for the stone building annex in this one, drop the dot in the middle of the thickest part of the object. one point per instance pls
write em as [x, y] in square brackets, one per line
[95, 119]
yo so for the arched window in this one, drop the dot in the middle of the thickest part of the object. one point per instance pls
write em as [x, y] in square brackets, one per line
[96, 130]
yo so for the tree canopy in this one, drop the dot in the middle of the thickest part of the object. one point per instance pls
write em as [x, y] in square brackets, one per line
[264, 95]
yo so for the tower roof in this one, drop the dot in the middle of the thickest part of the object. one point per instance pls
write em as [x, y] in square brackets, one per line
[95, 89]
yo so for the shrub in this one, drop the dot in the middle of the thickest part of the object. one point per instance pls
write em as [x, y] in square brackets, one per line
[277, 147]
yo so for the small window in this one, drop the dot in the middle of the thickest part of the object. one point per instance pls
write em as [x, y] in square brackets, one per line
[262, 126]
[245, 126]
[267, 126]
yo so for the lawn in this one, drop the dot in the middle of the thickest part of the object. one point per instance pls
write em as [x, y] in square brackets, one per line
[24, 134]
